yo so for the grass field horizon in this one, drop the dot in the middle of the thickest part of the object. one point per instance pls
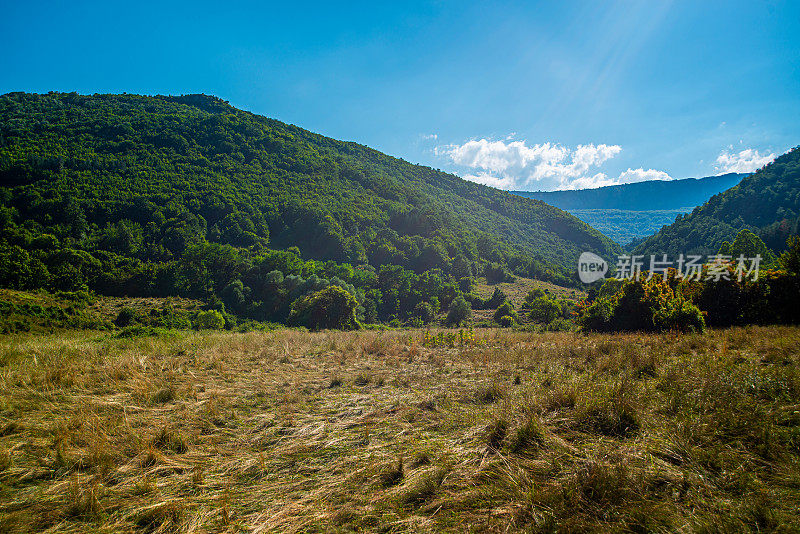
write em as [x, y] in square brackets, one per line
[485, 430]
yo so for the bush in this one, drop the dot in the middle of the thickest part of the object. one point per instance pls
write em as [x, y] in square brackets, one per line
[506, 309]
[332, 307]
[543, 310]
[506, 321]
[424, 312]
[125, 317]
[643, 305]
[475, 302]
[559, 325]
[459, 312]
[496, 273]
[497, 298]
[466, 284]
[210, 320]
[679, 315]
[790, 260]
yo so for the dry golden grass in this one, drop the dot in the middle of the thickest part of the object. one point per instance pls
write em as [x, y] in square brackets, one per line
[337, 432]
[518, 290]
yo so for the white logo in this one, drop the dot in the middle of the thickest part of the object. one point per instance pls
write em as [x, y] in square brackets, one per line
[591, 267]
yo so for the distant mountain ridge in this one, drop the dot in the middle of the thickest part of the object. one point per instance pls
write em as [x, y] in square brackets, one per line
[630, 212]
[640, 196]
[766, 202]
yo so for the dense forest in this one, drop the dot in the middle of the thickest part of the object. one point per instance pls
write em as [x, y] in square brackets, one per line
[766, 202]
[188, 196]
[628, 226]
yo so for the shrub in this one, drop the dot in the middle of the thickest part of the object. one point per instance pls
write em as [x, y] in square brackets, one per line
[505, 309]
[459, 312]
[466, 284]
[125, 317]
[679, 315]
[332, 307]
[475, 301]
[210, 320]
[790, 260]
[497, 298]
[496, 273]
[543, 310]
[646, 305]
[424, 312]
[506, 321]
[559, 325]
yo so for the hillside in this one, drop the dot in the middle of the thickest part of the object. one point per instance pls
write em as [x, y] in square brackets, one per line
[158, 196]
[766, 202]
[626, 226]
[630, 212]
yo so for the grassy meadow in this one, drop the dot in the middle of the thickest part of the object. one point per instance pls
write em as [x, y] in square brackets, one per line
[399, 431]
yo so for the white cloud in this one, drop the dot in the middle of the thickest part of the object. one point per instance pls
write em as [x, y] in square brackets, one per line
[492, 181]
[640, 175]
[515, 165]
[627, 177]
[747, 160]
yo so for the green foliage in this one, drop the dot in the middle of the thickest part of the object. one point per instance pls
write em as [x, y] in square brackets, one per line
[496, 273]
[749, 245]
[36, 313]
[681, 304]
[460, 311]
[424, 312]
[498, 297]
[772, 299]
[642, 305]
[543, 310]
[332, 307]
[506, 309]
[790, 260]
[466, 284]
[506, 321]
[187, 196]
[559, 324]
[210, 320]
[125, 317]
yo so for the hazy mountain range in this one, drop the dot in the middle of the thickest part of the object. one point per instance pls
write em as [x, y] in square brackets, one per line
[632, 211]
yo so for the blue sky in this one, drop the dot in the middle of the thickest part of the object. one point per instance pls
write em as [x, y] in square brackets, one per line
[530, 95]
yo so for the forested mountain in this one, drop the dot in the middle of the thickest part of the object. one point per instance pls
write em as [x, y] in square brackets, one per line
[629, 212]
[187, 195]
[640, 196]
[766, 202]
[627, 226]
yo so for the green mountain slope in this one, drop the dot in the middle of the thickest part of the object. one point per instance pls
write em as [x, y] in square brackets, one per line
[626, 226]
[133, 185]
[766, 202]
